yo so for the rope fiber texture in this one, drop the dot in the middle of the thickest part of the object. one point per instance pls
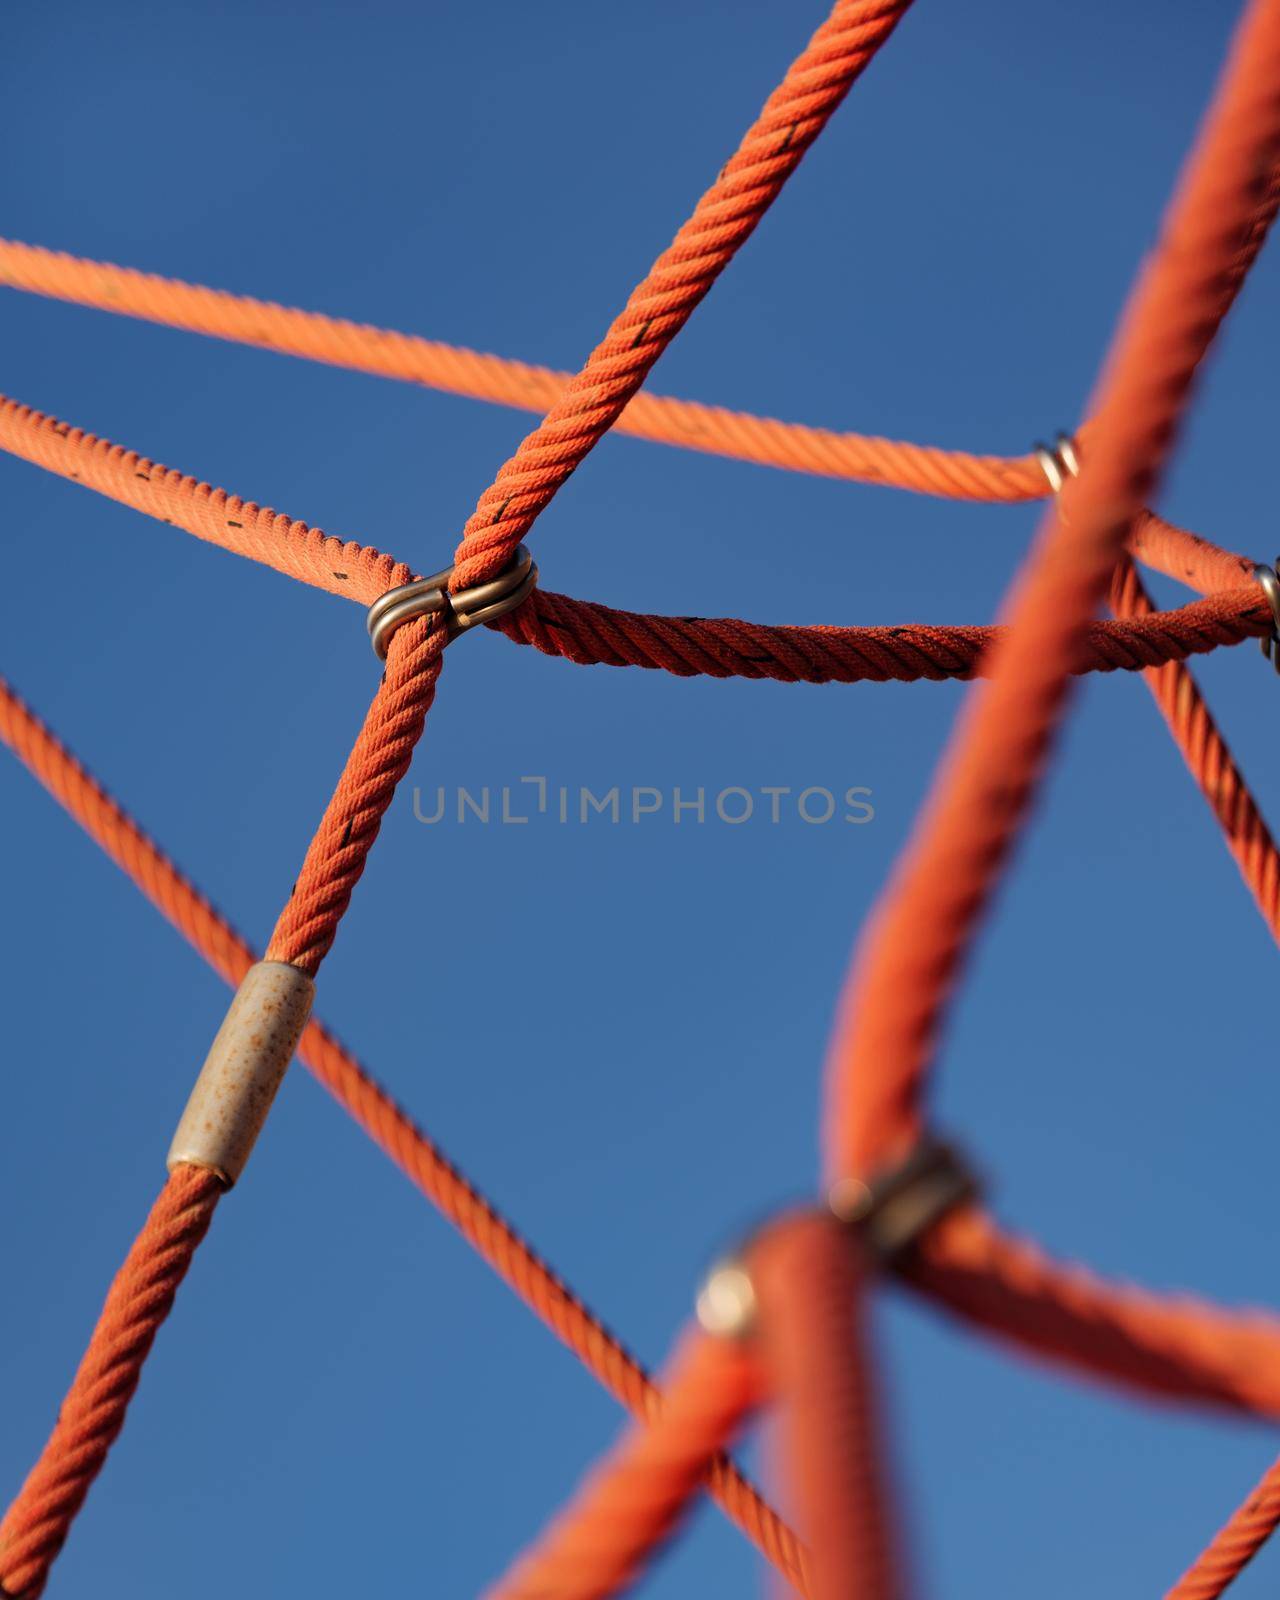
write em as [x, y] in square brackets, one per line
[421, 1160]
[1233, 609]
[912, 953]
[631, 1503]
[93, 1413]
[715, 430]
[722, 221]
[912, 948]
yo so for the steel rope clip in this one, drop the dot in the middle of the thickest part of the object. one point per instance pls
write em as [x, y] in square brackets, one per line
[894, 1209]
[1269, 578]
[1058, 461]
[890, 1213]
[467, 608]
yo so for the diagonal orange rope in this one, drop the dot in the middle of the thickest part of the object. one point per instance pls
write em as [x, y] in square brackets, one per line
[1232, 1549]
[386, 353]
[380, 757]
[1209, 760]
[382, 751]
[1167, 1346]
[1183, 296]
[911, 952]
[955, 474]
[722, 221]
[37, 1523]
[417, 1156]
[75, 1452]
[631, 1502]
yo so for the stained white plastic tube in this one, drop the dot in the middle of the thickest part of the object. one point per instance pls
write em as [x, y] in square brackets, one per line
[243, 1069]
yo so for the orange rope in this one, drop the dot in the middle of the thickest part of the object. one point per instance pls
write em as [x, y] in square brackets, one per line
[246, 529]
[379, 759]
[726, 216]
[41, 1516]
[911, 952]
[586, 632]
[417, 1156]
[383, 749]
[1167, 1346]
[36, 1525]
[715, 430]
[1210, 761]
[812, 1285]
[901, 983]
[1235, 1545]
[630, 1504]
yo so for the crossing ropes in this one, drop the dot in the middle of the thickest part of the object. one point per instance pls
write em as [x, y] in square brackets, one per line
[779, 1324]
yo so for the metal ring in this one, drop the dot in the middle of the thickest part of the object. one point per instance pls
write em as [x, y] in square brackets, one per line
[1269, 579]
[1049, 465]
[482, 602]
[1058, 461]
[897, 1207]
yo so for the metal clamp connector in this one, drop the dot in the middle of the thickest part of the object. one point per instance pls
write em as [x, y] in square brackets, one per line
[1058, 461]
[899, 1206]
[483, 602]
[726, 1304]
[1269, 578]
[889, 1214]
[243, 1069]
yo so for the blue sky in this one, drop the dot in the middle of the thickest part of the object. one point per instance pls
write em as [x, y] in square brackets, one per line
[616, 1030]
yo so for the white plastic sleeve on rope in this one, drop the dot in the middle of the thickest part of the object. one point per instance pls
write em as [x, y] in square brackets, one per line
[243, 1070]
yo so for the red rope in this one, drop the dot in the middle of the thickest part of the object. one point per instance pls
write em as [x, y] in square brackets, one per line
[379, 759]
[912, 949]
[723, 220]
[1235, 1545]
[426, 1166]
[93, 1413]
[812, 1288]
[1209, 761]
[354, 345]
[588, 633]
[1214, 230]
[631, 1503]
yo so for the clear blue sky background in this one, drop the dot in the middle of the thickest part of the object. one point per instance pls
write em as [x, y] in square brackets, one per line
[616, 1030]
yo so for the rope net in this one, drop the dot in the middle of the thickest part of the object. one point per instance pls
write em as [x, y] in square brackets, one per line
[780, 1325]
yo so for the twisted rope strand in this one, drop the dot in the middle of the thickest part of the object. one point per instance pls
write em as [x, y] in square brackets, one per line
[380, 757]
[1167, 1348]
[1173, 1348]
[912, 950]
[954, 474]
[36, 1525]
[714, 430]
[631, 1503]
[587, 633]
[722, 221]
[1209, 760]
[41, 1516]
[373, 1109]
[1234, 1546]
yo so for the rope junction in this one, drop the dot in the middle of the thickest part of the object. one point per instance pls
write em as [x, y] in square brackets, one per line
[781, 1323]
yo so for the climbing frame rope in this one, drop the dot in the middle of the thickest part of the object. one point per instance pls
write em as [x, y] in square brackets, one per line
[781, 1322]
